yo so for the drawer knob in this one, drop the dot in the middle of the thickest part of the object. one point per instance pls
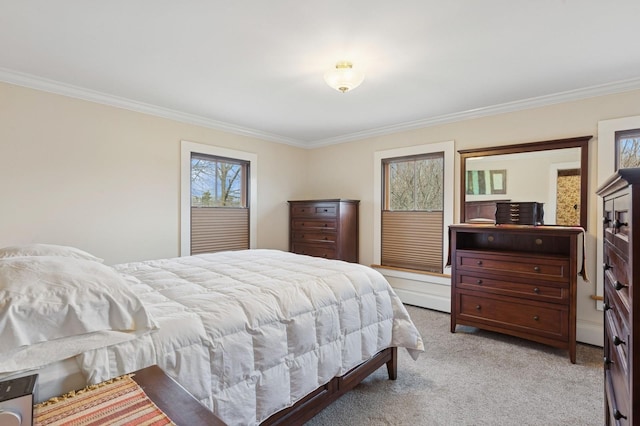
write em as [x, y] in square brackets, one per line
[536, 318]
[479, 282]
[479, 262]
[326, 238]
[619, 286]
[536, 268]
[606, 306]
[619, 224]
[478, 307]
[618, 415]
[607, 361]
[326, 210]
[618, 341]
[325, 225]
[536, 290]
[606, 266]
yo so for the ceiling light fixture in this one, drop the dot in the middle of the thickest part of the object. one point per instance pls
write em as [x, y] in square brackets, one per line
[343, 77]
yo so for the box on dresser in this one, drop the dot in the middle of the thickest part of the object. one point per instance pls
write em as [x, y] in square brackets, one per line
[529, 213]
[518, 280]
[325, 228]
[621, 249]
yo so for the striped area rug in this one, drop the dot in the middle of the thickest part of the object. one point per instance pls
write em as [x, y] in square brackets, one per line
[118, 401]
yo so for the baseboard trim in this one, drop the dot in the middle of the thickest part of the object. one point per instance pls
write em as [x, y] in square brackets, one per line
[424, 300]
[590, 333]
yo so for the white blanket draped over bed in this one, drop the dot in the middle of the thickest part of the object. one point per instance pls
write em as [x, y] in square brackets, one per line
[249, 333]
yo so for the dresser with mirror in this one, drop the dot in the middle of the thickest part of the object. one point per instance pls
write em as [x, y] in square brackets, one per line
[521, 279]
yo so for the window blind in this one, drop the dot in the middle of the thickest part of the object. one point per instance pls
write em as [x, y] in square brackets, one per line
[219, 229]
[404, 234]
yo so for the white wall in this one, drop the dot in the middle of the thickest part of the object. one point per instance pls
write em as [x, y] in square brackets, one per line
[107, 179]
[351, 167]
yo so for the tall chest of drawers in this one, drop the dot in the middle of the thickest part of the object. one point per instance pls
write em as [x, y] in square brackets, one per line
[621, 241]
[518, 280]
[324, 228]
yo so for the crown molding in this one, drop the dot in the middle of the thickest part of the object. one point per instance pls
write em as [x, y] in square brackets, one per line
[536, 102]
[59, 88]
[47, 85]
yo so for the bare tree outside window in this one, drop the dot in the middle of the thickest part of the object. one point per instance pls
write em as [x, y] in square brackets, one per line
[217, 183]
[416, 184]
[628, 149]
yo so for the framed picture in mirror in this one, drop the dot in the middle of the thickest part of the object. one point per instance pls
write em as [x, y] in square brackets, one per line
[498, 181]
[481, 182]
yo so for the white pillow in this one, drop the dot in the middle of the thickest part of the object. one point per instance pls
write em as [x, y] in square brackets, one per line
[46, 250]
[43, 298]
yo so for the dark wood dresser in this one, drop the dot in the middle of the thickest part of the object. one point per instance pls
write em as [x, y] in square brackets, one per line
[518, 280]
[621, 197]
[324, 228]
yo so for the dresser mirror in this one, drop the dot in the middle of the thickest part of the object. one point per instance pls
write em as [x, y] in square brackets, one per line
[553, 173]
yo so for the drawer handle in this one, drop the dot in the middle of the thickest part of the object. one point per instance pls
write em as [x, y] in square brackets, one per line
[618, 415]
[479, 262]
[607, 361]
[479, 282]
[478, 307]
[536, 318]
[619, 224]
[536, 290]
[606, 266]
[536, 268]
[619, 286]
[325, 210]
[618, 341]
[606, 306]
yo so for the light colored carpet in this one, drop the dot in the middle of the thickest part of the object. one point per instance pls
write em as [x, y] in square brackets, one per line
[476, 377]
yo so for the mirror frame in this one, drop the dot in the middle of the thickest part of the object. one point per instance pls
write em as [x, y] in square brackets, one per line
[581, 142]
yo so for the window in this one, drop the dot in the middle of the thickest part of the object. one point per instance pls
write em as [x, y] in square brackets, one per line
[219, 208]
[627, 149]
[218, 199]
[413, 207]
[412, 213]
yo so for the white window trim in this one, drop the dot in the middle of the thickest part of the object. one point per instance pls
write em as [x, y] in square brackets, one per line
[186, 148]
[448, 147]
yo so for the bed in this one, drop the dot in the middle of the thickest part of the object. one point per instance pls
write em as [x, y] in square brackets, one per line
[257, 336]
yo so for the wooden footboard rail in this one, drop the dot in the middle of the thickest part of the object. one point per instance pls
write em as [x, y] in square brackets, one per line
[322, 397]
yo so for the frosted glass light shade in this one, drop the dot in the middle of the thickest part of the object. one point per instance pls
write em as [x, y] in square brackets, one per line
[343, 77]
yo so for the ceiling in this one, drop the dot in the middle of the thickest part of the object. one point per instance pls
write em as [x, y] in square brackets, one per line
[256, 67]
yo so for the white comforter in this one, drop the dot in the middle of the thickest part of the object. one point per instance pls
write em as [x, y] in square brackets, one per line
[251, 332]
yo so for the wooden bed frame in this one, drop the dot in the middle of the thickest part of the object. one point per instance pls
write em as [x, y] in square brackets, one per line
[322, 397]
